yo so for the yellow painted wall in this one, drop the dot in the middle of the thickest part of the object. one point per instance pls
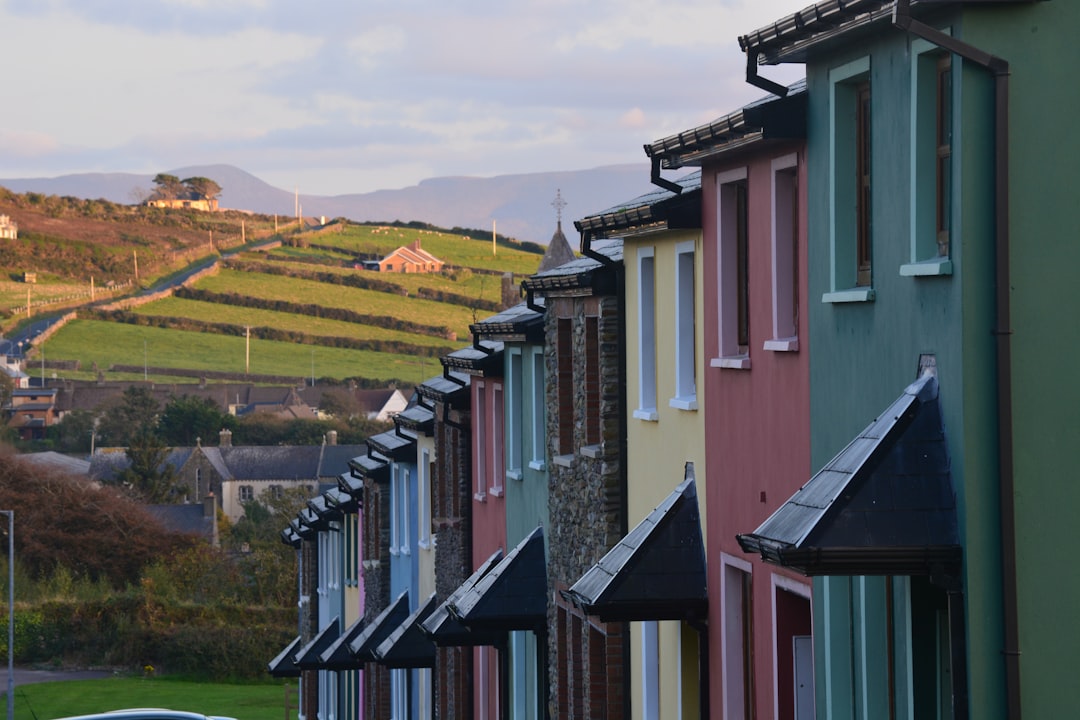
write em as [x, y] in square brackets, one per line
[658, 450]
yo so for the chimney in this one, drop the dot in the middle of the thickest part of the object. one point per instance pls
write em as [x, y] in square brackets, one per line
[416, 244]
[331, 437]
[225, 438]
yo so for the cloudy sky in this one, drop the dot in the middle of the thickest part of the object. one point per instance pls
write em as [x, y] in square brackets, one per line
[343, 96]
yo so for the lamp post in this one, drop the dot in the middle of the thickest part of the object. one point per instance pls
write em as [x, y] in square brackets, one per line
[11, 614]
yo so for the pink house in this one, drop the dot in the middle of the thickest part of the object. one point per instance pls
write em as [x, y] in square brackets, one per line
[756, 395]
[408, 259]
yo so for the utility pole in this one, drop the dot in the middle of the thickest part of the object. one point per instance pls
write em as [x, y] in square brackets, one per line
[135, 254]
[247, 349]
[144, 361]
[493, 238]
[91, 288]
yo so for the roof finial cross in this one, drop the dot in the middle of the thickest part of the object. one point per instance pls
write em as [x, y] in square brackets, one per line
[558, 203]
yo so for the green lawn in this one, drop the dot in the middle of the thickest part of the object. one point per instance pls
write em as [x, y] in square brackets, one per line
[45, 701]
[108, 343]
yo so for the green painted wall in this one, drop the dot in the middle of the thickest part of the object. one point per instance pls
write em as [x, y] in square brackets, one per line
[1039, 42]
[863, 354]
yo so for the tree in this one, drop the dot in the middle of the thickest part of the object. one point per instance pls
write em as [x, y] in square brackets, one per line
[73, 433]
[169, 187]
[135, 413]
[188, 418]
[203, 187]
[148, 477]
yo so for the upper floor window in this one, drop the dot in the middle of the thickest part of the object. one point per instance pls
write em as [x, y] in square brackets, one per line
[247, 493]
[592, 380]
[497, 458]
[513, 415]
[685, 329]
[733, 279]
[850, 191]
[423, 479]
[538, 450]
[481, 457]
[785, 254]
[646, 307]
[565, 358]
[932, 167]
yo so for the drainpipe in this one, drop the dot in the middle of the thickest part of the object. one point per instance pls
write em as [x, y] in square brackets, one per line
[756, 80]
[1002, 331]
[655, 178]
[587, 251]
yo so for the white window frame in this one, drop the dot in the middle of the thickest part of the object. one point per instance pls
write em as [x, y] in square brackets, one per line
[729, 353]
[685, 327]
[733, 680]
[785, 254]
[646, 297]
[843, 242]
[480, 453]
[423, 491]
[399, 694]
[538, 433]
[514, 388]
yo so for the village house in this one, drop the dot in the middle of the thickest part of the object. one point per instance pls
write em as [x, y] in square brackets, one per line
[9, 230]
[407, 259]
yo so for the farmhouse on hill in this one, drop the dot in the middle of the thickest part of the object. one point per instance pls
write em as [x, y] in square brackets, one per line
[8, 229]
[407, 259]
[184, 201]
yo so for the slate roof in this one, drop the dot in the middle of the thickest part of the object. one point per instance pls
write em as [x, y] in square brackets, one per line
[447, 630]
[371, 465]
[363, 646]
[394, 445]
[57, 461]
[661, 209]
[513, 595]
[407, 646]
[442, 389]
[416, 418]
[558, 250]
[308, 657]
[486, 362]
[767, 118]
[583, 273]
[338, 656]
[788, 39]
[188, 518]
[656, 572]
[885, 505]
[284, 665]
[519, 323]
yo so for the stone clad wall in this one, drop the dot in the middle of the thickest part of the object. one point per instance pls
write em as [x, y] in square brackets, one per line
[586, 502]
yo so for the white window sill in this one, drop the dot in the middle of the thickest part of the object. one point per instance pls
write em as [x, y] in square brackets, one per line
[479, 497]
[537, 465]
[591, 451]
[854, 295]
[782, 344]
[394, 551]
[925, 268]
[513, 475]
[688, 402]
[647, 414]
[563, 460]
[424, 545]
[496, 491]
[731, 362]
[406, 550]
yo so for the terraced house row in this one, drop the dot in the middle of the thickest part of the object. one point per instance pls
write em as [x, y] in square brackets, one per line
[792, 438]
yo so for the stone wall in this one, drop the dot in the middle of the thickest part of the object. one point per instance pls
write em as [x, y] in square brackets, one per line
[586, 488]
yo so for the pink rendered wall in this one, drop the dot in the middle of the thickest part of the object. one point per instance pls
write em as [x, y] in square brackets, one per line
[488, 514]
[756, 420]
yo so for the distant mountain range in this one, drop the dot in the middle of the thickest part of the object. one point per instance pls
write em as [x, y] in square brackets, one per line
[520, 205]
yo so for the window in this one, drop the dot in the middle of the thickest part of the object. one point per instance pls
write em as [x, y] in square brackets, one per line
[592, 380]
[785, 254]
[198, 484]
[247, 493]
[276, 491]
[685, 343]
[931, 171]
[565, 355]
[405, 504]
[399, 694]
[497, 458]
[538, 451]
[513, 417]
[793, 666]
[650, 669]
[480, 451]
[646, 291]
[737, 638]
[423, 479]
[850, 196]
[395, 511]
[732, 271]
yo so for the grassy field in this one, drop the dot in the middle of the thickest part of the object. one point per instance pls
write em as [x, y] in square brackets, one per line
[45, 701]
[106, 343]
[214, 312]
